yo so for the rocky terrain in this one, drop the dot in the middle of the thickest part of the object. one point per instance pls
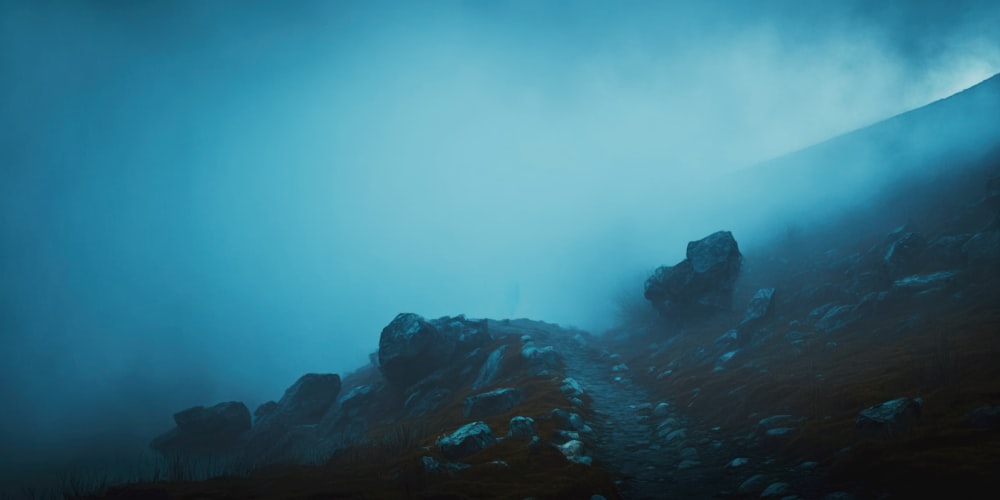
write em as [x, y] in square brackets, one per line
[851, 359]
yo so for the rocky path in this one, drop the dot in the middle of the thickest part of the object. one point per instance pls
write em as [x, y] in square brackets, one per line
[649, 443]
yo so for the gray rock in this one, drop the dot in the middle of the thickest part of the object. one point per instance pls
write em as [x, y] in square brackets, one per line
[661, 410]
[410, 348]
[489, 369]
[574, 452]
[730, 337]
[774, 421]
[467, 440]
[570, 420]
[265, 409]
[720, 364]
[754, 484]
[776, 490]
[676, 435]
[702, 284]
[889, 419]
[308, 399]
[495, 402]
[738, 462]
[522, 427]
[571, 388]
[202, 430]
[922, 282]
[432, 466]
[757, 311]
[837, 318]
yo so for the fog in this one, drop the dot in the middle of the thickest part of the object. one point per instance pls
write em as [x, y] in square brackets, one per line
[201, 201]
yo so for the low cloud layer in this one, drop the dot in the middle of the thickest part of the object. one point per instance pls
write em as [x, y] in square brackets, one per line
[200, 201]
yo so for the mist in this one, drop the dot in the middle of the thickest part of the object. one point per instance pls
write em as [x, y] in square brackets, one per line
[201, 201]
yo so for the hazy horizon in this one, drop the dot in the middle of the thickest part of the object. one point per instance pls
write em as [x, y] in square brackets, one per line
[202, 201]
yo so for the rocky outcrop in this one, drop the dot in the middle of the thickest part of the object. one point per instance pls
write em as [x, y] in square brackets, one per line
[467, 440]
[202, 430]
[308, 399]
[411, 347]
[701, 285]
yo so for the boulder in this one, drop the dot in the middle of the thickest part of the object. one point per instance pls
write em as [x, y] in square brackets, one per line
[467, 440]
[701, 285]
[308, 399]
[491, 403]
[757, 311]
[489, 369]
[522, 427]
[265, 409]
[202, 430]
[889, 419]
[410, 348]
[574, 451]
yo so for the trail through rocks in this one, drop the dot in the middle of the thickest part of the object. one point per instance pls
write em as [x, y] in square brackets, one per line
[650, 445]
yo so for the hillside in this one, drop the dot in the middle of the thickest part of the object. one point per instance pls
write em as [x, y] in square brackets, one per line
[765, 381]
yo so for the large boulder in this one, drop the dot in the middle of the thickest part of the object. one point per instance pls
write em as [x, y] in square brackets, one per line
[308, 399]
[701, 285]
[202, 430]
[410, 348]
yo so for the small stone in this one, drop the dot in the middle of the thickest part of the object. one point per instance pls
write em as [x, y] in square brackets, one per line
[776, 490]
[661, 410]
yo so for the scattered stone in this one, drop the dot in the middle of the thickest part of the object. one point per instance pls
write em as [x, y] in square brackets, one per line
[757, 311]
[889, 419]
[687, 464]
[522, 427]
[432, 466]
[467, 440]
[620, 367]
[677, 435]
[778, 421]
[495, 402]
[984, 417]
[661, 410]
[776, 490]
[571, 388]
[570, 420]
[720, 364]
[574, 452]
[730, 337]
[754, 484]
[738, 462]
[836, 318]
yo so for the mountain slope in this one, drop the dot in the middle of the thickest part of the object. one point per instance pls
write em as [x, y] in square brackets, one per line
[892, 296]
